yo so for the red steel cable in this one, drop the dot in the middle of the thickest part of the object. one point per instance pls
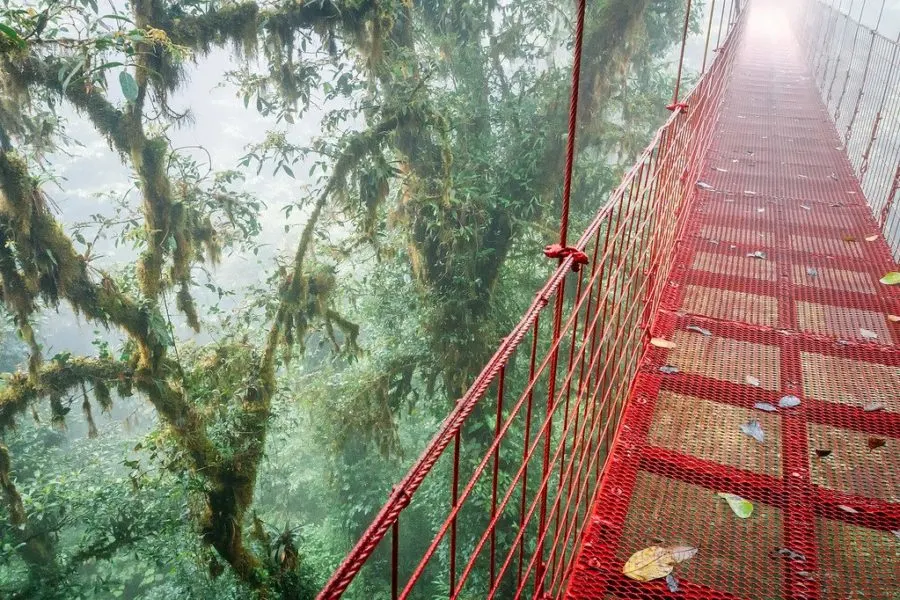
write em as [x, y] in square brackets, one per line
[640, 225]
[684, 32]
[712, 10]
[573, 124]
[721, 24]
[865, 76]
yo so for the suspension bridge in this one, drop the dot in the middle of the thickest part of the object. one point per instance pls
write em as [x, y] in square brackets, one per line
[703, 401]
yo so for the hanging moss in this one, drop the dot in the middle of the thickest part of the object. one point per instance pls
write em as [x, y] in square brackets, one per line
[185, 304]
[58, 411]
[102, 395]
[88, 415]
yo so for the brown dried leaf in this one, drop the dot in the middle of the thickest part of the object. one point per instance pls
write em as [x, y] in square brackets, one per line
[876, 442]
[822, 453]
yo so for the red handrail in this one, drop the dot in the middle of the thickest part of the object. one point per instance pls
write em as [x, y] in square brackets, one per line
[866, 114]
[586, 357]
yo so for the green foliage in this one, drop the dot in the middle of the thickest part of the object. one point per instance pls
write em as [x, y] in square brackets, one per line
[424, 194]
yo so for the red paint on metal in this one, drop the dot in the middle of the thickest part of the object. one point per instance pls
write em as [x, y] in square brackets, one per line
[556, 495]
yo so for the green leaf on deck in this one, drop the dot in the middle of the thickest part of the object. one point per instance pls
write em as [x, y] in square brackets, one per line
[740, 507]
[892, 278]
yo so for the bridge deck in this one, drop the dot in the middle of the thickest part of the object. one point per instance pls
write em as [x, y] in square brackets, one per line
[809, 320]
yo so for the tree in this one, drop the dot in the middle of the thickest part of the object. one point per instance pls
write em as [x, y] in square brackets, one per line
[461, 104]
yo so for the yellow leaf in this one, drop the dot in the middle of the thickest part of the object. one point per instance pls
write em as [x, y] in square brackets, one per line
[650, 563]
[662, 343]
[892, 278]
[849, 238]
[872, 238]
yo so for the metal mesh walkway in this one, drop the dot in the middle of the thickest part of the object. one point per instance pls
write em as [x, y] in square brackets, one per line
[775, 293]
[719, 328]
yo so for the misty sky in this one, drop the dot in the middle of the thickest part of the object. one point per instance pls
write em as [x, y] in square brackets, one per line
[225, 128]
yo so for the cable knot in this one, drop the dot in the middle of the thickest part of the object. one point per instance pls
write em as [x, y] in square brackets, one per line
[682, 106]
[556, 251]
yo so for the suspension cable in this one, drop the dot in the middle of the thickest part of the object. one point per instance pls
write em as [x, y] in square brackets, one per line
[848, 18]
[859, 26]
[712, 10]
[865, 77]
[721, 24]
[687, 17]
[573, 123]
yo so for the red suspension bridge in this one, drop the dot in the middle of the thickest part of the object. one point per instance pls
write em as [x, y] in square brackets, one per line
[725, 326]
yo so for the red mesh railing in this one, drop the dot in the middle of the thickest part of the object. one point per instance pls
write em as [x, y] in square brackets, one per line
[513, 469]
[857, 71]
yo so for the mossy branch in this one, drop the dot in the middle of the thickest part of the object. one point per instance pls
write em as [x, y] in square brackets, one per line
[49, 264]
[239, 23]
[55, 378]
[32, 70]
[293, 287]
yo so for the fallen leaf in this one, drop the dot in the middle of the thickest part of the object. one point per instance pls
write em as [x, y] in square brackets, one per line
[847, 509]
[749, 192]
[848, 238]
[875, 443]
[805, 207]
[663, 343]
[648, 564]
[803, 176]
[872, 238]
[668, 369]
[760, 210]
[683, 553]
[672, 583]
[705, 332]
[812, 271]
[758, 254]
[790, 554]
[893, 318]
[720, 169]
[740, 507]
[765, 406]
[704, 186]
[789, 402]
[873, 406]
[754, 430]
[868, 334]
[892, 278]
[751, 380]
[823, 453]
